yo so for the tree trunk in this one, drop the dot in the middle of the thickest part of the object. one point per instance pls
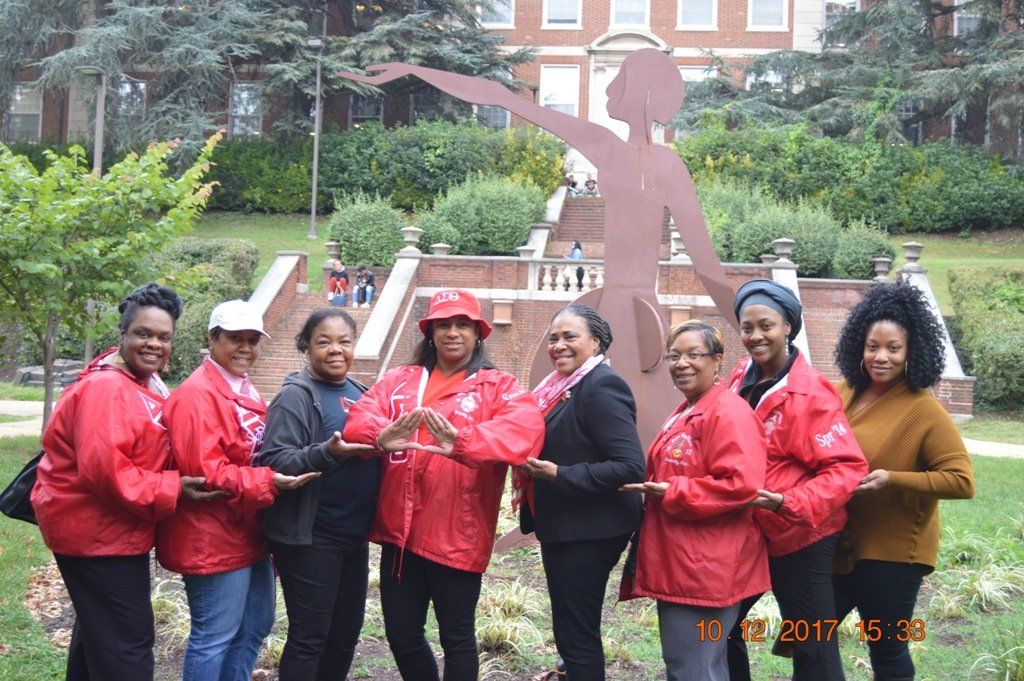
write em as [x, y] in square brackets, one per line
[48, 342]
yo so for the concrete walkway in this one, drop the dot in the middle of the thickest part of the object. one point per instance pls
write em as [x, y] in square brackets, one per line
[32, 411]
[34, 426]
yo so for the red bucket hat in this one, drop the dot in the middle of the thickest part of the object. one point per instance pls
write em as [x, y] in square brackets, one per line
[453, 302]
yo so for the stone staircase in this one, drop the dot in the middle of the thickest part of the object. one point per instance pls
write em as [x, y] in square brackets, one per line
[582, 220]
[279, 356]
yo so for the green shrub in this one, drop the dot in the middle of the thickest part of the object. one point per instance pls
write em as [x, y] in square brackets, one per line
[354, 161]
[368, 229]
[33, 151]
[816, 234]
[427, 158]
[989, 307]
[726, 203]
[484, 216]
[936, 186]
[858, 244]
[754, 236]
[257, 174]
[532, 155]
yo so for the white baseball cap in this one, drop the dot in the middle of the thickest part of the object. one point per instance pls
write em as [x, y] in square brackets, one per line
[237, 315]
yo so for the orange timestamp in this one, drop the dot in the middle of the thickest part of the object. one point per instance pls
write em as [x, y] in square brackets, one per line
[801, 631]
[756, 630]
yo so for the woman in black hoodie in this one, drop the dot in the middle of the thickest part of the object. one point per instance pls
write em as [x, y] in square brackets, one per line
[318, 533]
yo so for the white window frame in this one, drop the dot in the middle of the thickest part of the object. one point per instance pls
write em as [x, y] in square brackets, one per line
[825, 15]
[511, 23]
[124, 88]
[957, 33]
[783, 28]
[507, 115]
[645, 24]
[550, 68]
[255, 129]
[26, 92]
[680, 26]
[545, 25]
[772, 78]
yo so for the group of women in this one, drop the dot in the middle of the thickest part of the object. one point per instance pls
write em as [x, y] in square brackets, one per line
[754, 482]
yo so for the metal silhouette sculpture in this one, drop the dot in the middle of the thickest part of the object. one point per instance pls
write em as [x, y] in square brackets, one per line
[639, 180]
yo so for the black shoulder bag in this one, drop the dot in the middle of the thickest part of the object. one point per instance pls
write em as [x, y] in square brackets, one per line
[15, 501]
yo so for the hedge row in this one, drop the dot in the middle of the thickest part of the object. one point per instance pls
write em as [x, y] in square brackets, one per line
[935, 187]
[481, 216]
[411, 165]
[989, 306]
[744, 221]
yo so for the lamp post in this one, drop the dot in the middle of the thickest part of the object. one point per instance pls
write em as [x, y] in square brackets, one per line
[97, 169]
[317, 43]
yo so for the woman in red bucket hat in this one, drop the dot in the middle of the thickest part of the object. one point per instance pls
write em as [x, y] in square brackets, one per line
[448, 425]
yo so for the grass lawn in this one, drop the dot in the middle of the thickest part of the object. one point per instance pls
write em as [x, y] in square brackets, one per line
[270, 233]
[978, 534]
[995, 427]
[9, 391]
[943, 252]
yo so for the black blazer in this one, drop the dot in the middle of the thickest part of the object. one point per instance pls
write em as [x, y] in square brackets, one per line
[592, 437]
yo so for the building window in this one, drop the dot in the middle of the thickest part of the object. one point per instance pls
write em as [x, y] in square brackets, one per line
[958, 128]
[130, 100]
[24, 119]
[561, 13]
[629, 12]
[244, 112]
[906, 110]
[366, 110]
[837, 9]
[497, 13]
[966, 20]
[698, 14]
[771, 80]
[560, 88]
[494, 117]
[767, 14]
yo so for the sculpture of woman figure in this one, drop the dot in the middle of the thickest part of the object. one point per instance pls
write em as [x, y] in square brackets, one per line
[639, 180]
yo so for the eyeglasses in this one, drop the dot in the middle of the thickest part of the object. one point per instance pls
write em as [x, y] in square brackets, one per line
[673, 358]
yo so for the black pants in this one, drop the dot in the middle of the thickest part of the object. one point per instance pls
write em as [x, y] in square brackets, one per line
[802, 584]
[885, 592]
[324, 586]
[408, 584]
[113, 633]
[577, 574]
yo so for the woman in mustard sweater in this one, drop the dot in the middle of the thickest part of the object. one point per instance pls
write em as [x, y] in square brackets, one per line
[889, 352]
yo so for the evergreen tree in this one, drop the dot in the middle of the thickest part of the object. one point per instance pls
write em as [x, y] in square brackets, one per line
[189, 52]
[882, 69]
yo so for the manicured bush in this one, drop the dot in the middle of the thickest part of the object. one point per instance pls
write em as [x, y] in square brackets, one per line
[934, 187]
[532, 155]
[256, 174]
[368, 229]
[989, 306]
[727, 202]
[812, 227]
[858, 245]
[354, 161]
[484, 216]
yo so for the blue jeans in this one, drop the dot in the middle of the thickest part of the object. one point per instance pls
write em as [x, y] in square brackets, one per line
[232, 612]
[364, 294]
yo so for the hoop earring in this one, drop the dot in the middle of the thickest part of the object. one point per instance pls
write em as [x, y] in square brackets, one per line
[718, 379]
[862, 369]
[479, 342]
[430, 342]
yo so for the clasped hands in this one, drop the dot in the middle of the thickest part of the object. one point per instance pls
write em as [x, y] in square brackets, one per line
[398, 435]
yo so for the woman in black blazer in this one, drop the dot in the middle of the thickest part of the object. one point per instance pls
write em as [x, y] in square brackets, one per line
[591, 449]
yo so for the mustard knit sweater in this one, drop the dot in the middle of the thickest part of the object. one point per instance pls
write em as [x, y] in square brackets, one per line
[909, 434]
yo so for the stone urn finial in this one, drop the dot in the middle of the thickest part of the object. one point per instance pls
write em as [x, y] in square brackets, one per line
[769, 258]
[783, 248]
[333, 250]
[882, 267]
[440, 248]
[411, 236]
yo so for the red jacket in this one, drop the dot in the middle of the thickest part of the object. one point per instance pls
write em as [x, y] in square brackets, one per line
[813, 458]
[215, 433]
[446, 510]
[699, 544]
[102, 486]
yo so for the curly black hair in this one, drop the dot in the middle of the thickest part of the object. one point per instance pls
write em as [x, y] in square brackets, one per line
[906, 306]
[148, 295]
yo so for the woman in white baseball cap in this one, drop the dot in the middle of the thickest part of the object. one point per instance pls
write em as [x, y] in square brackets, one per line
[216, 421]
